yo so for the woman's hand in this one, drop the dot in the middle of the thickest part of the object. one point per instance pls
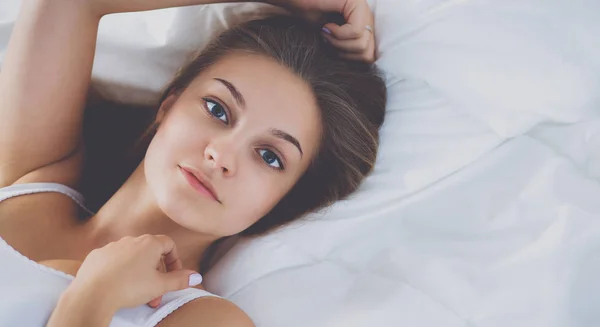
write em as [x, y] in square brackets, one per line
[355, 39]
[125, 274]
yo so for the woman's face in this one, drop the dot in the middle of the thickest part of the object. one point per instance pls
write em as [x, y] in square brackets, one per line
[246, 126]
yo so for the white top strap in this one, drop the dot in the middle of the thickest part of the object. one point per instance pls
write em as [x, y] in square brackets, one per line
[173, 301]
[32, 188]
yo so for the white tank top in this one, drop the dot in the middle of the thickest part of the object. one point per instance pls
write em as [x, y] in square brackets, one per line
[29, 291]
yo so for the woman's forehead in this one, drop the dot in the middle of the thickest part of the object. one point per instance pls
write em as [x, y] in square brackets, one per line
[258, 75]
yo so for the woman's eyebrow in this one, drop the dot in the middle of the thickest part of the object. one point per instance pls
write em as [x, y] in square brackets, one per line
[287, 137]
[239, 98]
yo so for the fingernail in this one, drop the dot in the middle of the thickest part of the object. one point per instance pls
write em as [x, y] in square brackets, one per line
[195, 279]
[326, 30]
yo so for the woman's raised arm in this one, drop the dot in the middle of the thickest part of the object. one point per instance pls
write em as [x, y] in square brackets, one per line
[43, 85]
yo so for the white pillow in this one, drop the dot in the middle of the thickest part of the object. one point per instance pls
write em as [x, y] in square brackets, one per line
[138, 53]
[512, 64]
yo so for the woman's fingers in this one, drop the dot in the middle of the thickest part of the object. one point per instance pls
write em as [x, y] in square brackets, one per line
[160, 266]
[356, 38]
[354, 35]
[169, 252]
[358, 15]
[357, 49]
[358, 45]
[174, 278]
[179, 280]
[346, 31]
[155, 303]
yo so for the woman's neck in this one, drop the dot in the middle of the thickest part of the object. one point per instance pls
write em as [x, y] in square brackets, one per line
[133, 211]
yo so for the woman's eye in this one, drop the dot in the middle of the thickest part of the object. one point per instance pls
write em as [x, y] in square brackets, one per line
[271, 159]
[217, 110]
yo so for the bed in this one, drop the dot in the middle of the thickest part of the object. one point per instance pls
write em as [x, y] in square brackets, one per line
[484, 207]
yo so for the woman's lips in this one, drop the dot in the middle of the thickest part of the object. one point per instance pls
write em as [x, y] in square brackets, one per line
[198, 185]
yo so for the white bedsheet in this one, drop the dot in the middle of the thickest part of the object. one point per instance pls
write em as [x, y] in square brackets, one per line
[484, 209]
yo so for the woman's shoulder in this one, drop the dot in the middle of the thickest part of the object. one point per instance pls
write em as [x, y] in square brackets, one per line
[208, 311]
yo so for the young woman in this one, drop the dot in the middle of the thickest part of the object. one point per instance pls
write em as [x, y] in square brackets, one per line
[267, 123]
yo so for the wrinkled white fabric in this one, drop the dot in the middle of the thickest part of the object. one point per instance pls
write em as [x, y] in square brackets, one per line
[484, 207]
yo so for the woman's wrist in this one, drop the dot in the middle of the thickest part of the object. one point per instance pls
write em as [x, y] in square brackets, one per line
[82, 306]
[102, 8]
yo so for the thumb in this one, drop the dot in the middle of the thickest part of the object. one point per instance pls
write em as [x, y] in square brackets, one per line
[180, 279]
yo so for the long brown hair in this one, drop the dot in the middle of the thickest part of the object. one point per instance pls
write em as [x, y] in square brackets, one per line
[351, 97]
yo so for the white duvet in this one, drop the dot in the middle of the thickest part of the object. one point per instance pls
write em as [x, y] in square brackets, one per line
[484, 208]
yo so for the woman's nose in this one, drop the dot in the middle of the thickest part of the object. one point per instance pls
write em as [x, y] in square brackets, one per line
[221, 154]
